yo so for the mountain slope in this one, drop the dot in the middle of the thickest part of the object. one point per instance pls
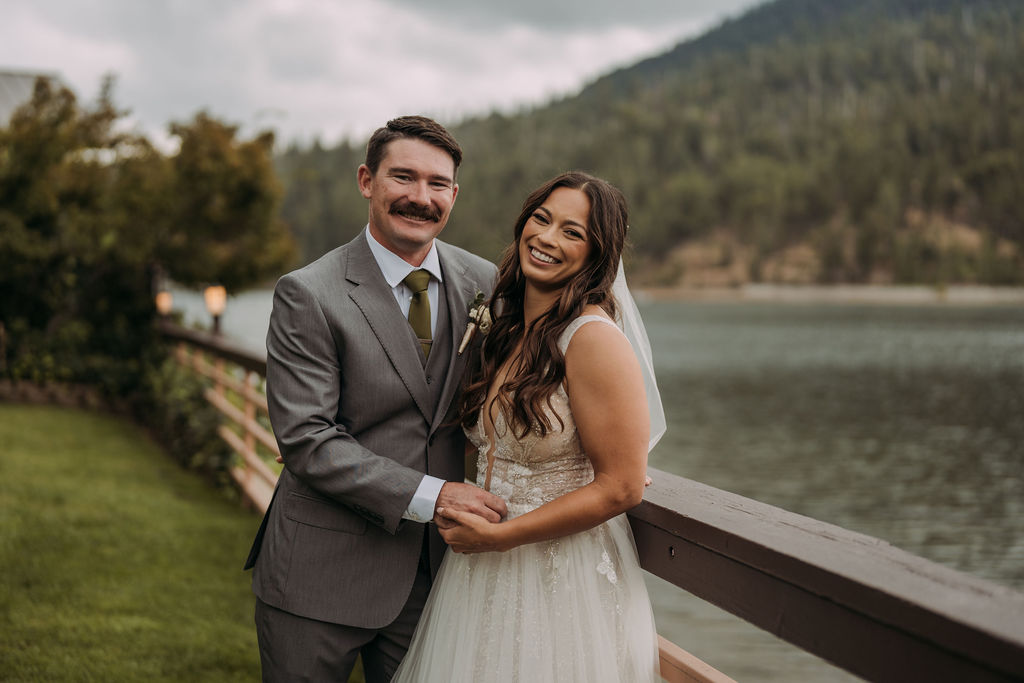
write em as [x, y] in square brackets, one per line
[808, 141]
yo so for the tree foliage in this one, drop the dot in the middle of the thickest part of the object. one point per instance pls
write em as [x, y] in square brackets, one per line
[223, 223]
[89, 215]
[885, 136]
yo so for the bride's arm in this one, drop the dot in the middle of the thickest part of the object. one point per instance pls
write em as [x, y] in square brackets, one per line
[606, 395]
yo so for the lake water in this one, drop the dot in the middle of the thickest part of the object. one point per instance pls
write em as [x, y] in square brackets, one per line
[901, 422]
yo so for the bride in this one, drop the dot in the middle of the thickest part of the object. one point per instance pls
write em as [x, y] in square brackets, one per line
[557, 414]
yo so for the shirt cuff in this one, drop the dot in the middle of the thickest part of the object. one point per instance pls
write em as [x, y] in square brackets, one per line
[421, 507]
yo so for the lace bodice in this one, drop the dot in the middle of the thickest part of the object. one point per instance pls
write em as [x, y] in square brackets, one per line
[533, 470]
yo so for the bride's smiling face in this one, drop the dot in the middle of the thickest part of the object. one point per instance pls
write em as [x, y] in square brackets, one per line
[555, 243]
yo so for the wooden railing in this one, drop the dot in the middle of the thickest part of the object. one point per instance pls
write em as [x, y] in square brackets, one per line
[235, 376]
[867, 607]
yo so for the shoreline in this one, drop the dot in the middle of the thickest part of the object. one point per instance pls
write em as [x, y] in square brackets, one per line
[840, 294]
[956, 295]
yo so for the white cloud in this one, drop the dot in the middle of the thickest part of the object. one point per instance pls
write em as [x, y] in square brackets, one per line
[32, 43]
[329, 68]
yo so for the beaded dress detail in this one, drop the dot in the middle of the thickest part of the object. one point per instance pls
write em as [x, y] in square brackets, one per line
[570, 609]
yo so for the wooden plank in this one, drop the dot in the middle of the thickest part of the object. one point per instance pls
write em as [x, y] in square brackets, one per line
[238, 417]
[215, 343]
[679, 666]
[198, 364]
[233, 383]
[252, 460]
[872, 609]
[241, 388]
[255, 489]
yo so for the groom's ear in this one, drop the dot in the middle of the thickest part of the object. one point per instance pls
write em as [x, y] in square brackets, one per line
[364, 178]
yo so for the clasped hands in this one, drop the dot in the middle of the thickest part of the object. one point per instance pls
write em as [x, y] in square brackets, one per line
[468, 517]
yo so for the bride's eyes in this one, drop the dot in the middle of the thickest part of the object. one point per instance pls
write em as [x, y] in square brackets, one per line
[540, 217]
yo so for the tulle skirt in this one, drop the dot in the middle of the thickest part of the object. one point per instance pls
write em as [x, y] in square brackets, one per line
[571, 609]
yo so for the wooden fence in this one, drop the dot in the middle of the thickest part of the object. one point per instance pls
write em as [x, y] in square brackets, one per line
[856, 601]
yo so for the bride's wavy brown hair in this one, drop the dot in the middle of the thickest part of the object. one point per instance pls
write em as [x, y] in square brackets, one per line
[541, 366]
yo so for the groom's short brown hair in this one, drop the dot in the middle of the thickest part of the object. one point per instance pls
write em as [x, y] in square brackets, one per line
[419, 127]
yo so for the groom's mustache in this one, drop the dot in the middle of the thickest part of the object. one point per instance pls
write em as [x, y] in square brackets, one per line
[411, 210]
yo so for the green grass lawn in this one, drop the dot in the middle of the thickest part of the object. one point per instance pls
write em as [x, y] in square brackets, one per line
[115, 563]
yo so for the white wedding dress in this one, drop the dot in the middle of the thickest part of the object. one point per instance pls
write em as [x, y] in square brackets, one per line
[565, 610]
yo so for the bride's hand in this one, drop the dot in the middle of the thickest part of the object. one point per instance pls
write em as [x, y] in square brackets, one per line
[470, 533]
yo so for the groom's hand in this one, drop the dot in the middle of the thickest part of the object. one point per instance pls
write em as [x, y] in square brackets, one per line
[469, 498]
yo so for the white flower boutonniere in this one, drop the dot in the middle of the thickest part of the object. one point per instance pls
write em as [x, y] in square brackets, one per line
[479, 317]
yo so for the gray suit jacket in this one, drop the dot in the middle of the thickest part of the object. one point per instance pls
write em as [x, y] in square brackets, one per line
[351, 409]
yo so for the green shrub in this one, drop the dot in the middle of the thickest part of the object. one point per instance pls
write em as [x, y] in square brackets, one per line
[172, 405]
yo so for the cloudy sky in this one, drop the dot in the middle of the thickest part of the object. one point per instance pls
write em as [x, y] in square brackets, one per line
[334, 68]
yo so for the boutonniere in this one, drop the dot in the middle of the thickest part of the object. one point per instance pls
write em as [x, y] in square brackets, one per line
[479, 317]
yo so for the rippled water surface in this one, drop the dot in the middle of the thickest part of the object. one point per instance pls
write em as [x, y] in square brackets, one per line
[904, 423]
[901, 422]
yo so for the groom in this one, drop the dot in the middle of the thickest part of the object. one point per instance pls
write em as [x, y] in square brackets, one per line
[362, 369]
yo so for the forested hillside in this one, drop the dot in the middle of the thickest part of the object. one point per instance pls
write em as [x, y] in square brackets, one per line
[805, 141]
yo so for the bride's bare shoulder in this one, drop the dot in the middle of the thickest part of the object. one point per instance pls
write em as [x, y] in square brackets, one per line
[596, 343]
[600, 365]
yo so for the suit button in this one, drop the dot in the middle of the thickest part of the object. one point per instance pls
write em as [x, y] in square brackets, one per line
[428, 379]
[430, 441]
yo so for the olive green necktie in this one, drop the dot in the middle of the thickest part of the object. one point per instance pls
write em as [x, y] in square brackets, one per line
[419, 307]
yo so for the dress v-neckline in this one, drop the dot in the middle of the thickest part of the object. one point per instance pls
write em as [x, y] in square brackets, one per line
[491, 402]
[491, 440]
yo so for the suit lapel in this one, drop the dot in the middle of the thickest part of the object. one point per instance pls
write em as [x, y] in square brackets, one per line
[374, 298]
[461, 290]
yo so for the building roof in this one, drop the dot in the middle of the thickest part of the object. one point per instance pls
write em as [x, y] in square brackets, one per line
[16, 89]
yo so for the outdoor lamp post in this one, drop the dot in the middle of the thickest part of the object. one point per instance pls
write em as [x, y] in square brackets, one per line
[216, 298]
[164, 303]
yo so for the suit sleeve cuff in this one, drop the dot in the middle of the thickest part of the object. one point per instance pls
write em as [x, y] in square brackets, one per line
[421, 507]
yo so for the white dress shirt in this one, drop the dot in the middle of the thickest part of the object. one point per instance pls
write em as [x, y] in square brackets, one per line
[394, 269]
